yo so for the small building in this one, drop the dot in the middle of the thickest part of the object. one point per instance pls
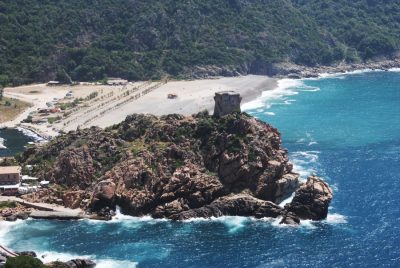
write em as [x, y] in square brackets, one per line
[53, 83]
[226, 102]
[10, 178]
[113, 81]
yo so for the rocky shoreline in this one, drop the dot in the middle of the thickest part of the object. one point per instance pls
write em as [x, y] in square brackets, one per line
[171, 167]
[178, 168]
[288, 69]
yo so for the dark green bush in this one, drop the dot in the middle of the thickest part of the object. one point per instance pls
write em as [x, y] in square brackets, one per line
[24, 262]
[147, 39]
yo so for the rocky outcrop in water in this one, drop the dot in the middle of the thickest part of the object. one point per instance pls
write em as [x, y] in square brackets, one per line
[175, 167]
[311, 200]
[75, 263]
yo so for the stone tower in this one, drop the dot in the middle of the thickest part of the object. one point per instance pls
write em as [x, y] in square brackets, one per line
[226, 102]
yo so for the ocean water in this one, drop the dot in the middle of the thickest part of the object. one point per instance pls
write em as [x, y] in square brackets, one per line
[12, 141]
[345, 128]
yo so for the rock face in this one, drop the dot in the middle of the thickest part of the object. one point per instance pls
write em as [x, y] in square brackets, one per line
[172, 167]
[311, 200]
[76, 263]
[237, 205]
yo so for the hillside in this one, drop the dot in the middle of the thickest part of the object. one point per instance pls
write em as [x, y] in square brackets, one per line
[137, 39]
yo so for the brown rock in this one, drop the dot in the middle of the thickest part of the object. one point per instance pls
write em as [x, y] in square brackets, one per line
[238, 205]
[311, 200]
[169, 167]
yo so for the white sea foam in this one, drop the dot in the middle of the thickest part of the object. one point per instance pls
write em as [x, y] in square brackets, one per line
[396, 70]
[310, 89]
[287, 200]
[31, 134]
[233, 223]
[115, 264]
[288, 101]
[307, 224]
[50, 256]
[336, 218]
[126, 219]
[342, 75]
[286, 87]
[6, 227]
[270, 113]
[304, 163]
[2, 146]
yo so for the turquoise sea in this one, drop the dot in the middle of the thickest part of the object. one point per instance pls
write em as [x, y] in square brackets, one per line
[345, 128]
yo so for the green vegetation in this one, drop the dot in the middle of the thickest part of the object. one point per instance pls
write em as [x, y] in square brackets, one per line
[52, 120]
[7, 204]
[24, 262]
[92, 40]
[91, 96]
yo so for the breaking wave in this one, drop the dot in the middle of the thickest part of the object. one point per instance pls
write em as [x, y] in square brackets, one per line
[50, 256]
[286, 87]
[31, 134]
[305, 163]
[2, 146]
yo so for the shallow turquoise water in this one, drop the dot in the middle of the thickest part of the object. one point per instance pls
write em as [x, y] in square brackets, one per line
[345, 128]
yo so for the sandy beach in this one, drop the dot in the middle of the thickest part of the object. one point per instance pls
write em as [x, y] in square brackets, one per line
[114, 103]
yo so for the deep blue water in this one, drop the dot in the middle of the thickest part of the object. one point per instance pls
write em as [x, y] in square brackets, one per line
[346, 129]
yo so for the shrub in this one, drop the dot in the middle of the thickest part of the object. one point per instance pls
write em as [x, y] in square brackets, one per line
[8, 204]
[24, 262]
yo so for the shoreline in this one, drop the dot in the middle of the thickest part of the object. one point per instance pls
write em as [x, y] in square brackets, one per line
[115, 103]
[294, 71]
[193, 95]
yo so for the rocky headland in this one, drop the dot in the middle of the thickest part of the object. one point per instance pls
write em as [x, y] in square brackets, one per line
[178, 168]
[289, 69]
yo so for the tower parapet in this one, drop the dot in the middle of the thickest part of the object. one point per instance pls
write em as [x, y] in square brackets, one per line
[226, 102]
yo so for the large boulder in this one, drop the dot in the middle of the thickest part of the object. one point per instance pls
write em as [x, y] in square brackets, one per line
[27, 253]
[80, 263]
[311, 200]
[237, 205]
[76, 263]
[103, 195]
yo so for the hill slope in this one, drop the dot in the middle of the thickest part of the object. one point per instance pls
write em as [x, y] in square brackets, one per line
[137, 39]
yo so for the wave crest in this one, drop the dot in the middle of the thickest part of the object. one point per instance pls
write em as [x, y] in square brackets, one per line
[286, 87]
[2, 146]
